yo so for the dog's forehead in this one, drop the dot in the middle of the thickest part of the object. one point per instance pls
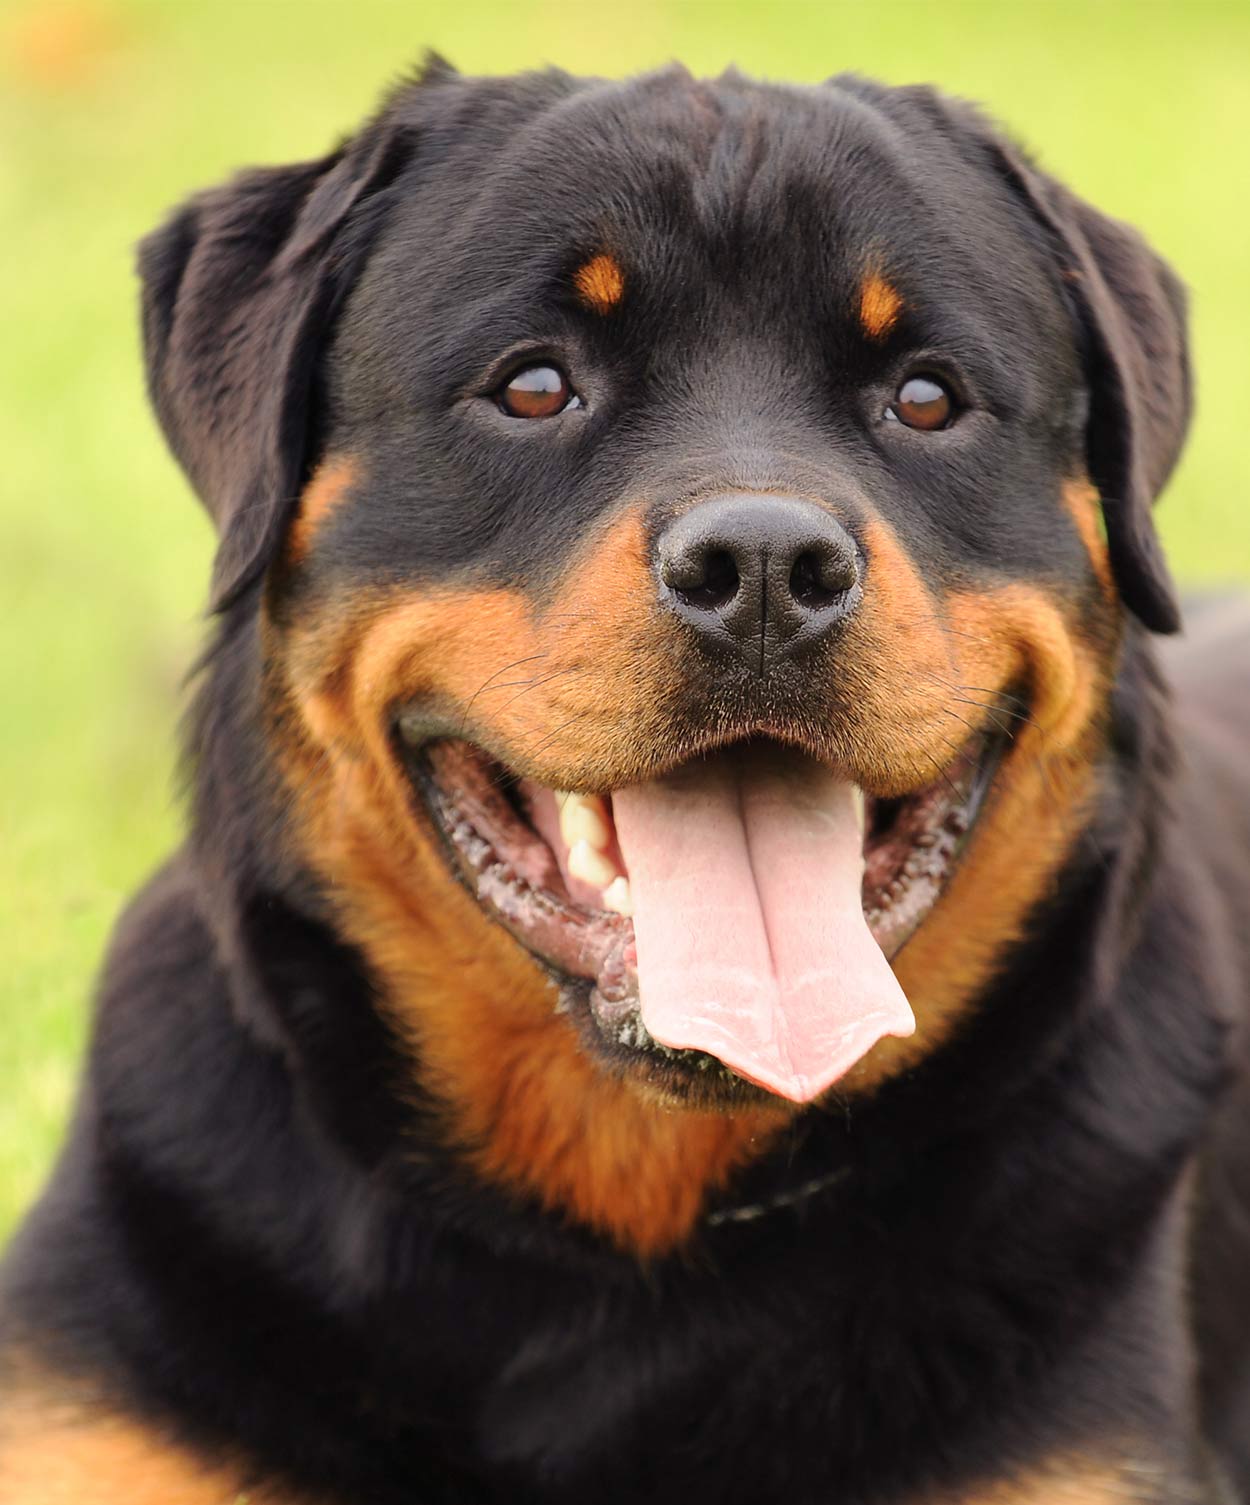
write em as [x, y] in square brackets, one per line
[668, 172]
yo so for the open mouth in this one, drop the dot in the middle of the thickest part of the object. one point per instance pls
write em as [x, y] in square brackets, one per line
[727, 927]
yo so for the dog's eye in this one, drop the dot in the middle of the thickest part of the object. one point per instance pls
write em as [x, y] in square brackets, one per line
[537, 392]
[922, 402]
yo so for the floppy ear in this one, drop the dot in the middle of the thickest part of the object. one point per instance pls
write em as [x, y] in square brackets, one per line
[240, 290]
[1131, 310]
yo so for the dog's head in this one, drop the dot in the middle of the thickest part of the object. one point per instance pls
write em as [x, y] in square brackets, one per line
[692, 527]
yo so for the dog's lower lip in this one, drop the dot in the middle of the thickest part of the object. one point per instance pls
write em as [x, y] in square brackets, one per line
[910, 848]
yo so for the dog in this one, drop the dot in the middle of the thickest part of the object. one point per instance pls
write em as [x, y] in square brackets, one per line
[710, 961]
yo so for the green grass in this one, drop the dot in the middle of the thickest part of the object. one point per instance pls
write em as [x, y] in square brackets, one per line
[110, 110]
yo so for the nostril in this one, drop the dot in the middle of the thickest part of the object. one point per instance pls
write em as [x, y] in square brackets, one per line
[762, 576]
[819, 578]
[708, 580]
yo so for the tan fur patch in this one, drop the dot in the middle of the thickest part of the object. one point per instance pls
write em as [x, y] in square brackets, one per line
[53, 1452]
[600, 283]
[984, 643]
[574, 688]
[1083, 506]
[334, 478]
[879, 306]
[1074, 1483]
[532, 1108]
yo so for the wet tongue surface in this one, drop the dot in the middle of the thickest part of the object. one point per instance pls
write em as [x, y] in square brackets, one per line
[746, 872]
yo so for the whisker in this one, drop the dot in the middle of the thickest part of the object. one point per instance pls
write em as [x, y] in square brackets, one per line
[505, 669]
[538, 681]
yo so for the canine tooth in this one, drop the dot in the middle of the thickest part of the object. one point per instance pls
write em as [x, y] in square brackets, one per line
[591, 866]
[617, 897]
[584, 818]
[857, 799]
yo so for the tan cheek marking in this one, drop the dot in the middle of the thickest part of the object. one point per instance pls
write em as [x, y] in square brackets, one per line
[593, 666]
[1041, 800]
[600, 283]
[334, 478]
[517, 1086]
[533, 1109]
[1081, 501]
[879, 306]
[52, 1453]
[894, 673]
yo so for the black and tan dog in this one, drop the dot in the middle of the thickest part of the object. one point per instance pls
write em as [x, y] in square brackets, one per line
[709, 964]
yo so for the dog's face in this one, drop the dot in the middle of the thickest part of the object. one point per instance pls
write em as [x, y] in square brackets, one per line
[685, 660]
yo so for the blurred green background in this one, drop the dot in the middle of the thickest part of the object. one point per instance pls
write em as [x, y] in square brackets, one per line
[111, 110]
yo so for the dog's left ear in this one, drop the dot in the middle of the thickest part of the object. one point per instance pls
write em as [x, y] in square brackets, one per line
[240, 290]
[1131, 309]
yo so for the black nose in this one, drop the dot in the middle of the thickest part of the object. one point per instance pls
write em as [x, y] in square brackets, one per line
[759, 576]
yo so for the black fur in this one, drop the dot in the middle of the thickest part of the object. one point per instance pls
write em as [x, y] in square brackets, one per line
[254, 1238]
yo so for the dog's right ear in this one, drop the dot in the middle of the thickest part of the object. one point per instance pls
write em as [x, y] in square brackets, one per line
[240, 291]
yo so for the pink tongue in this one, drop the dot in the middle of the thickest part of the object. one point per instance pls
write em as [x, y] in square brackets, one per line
[745, 872]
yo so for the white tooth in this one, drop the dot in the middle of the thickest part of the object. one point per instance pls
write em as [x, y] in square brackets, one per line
[584, 818]
[591, 866]
[857, 799]
[618, 897]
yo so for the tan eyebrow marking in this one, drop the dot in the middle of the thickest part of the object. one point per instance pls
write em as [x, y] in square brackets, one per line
[600, 283]
[879, 305]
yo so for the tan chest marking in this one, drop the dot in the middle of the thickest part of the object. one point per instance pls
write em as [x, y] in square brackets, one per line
[1079, 1483]
[54, 1453]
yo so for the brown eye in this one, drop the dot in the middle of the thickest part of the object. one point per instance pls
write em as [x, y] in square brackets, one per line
[537, 392]
[922, 402]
